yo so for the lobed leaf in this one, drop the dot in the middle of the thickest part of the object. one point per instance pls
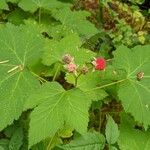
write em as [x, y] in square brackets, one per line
[68, 45]
[70, 107]
[76, 21]
[18, 46]
[133, 92]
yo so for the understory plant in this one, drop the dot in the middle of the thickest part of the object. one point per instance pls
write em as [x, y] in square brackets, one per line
[68, 81]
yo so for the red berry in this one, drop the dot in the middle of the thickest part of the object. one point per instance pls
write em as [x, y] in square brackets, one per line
[99, 63]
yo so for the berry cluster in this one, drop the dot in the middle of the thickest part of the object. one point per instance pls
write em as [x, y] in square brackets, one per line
[98, 63]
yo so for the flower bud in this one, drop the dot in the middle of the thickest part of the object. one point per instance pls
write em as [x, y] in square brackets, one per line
[71, 67]
[84, 70]
[67, 59]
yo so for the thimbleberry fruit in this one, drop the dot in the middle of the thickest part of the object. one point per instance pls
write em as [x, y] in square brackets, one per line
[99, 63]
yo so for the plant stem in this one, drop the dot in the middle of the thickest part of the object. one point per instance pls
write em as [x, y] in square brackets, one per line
[40, 11]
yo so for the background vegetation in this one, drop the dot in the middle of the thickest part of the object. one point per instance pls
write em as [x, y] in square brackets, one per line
[74, 74]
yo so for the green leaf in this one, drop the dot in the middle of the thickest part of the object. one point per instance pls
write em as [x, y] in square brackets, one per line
[16, 140]
[33, 5]
[17, 16]
[76, 21]
[62, 107]
[45, 92]
[88, 141]
[89, 86]
[3, 5]
[112, 132]
[9, 131]
[2, 148]
[18, 46]
[58, 31]
[134, 93]
[4, 144]
[131, 138]
[69, 45]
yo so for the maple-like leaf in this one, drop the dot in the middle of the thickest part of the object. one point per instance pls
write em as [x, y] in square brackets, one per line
[134, 90]
[73, 20]
[18, 46]
[43, 93]
[76, 21]
[70, 44]
[56, 108]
